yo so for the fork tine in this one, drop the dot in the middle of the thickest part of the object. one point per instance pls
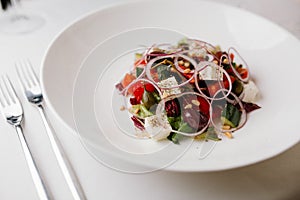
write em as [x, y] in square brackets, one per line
[31, 73]
[10, 90]
[3, 100]
[26, 73]
[5, 92]
[23, 81]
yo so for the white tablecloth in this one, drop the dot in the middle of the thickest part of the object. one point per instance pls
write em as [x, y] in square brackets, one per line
[277, 178]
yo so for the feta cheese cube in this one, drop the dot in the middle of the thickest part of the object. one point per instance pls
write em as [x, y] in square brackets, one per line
[211, 72]
[251, 92]
[158, 128]
[169, 82]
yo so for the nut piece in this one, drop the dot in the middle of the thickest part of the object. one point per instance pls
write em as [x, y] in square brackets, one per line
[136, 111]
[187, 70]
[229, 135]
[181, 62]
[122, 108]
[188, 106]
[226, 127]
[196, 102]
[186, 64]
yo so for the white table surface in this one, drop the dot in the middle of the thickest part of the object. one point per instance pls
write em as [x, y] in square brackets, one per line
[276, 178]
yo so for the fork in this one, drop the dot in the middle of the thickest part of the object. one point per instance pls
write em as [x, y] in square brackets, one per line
[13, 112]
[33, 92]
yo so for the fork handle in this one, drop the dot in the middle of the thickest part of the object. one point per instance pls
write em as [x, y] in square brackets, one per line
[38, 182]
[62, 160]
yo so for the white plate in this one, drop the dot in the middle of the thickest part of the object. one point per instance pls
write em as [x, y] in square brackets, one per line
[271, 53]
[101, 125]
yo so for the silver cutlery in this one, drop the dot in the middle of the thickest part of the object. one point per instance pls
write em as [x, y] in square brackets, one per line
[33, 92]
[13, 113]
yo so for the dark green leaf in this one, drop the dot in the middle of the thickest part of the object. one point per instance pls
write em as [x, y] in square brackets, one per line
[174, 137]
[184, 127]
[231, 115]
[139, 71]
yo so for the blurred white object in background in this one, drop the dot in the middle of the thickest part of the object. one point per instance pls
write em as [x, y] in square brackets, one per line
[15, 20]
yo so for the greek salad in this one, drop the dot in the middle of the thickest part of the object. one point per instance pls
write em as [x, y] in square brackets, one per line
[189, 89]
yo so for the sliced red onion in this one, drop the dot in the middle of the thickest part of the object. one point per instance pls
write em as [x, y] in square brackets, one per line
[204, 65]
[126, 93]
[245, 65]
[172, 50]
[206, 46]
[144, 58]
[202, 43]
[189, 59]
[149, 76]
[144, 71]
[161, 109]
[177, 53]
[235, 101]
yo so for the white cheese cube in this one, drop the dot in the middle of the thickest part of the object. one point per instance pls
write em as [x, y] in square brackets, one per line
[158, 128]
[211, 72]
[169, 82]
[198, 52]
[251, 92]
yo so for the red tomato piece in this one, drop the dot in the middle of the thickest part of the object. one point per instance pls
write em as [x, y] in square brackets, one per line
[138, 94]
[182, 67]
[188, 76]
[128, 78]
[140, 62]
[226, 82]
[204, 105]
[134, 86]
[243, 72]
[149, 87]
[231, 56]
